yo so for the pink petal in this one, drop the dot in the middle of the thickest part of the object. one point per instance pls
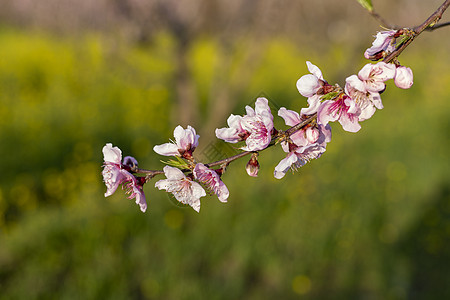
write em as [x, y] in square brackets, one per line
[167, 149]
[349, 122]
[354, 82]
[112, 154]
[261, 106]
[291, 118]
[173, 173]
[140, 198]
[325, 113]
[308, 85]
[284, 165]
[313, 69]
[314, 103]
[312, 134]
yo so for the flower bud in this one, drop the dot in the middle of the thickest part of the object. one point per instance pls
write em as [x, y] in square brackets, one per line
[130, 161]
[403, 77]
[252, 166]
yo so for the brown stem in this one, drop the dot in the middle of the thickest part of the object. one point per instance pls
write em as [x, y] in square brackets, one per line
[227, 160]
[148, 173]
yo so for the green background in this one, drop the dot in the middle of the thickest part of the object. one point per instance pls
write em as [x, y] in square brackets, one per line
[369, 220]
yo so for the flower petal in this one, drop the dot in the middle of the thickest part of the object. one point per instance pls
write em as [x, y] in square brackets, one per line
[308, 85]
[314, 70]
[313, 105]
[326, 113]
[140, 198]
[349, 122]
[112, 154]
[261, 106]
[284, 165]
[291, 118]
[167, 149]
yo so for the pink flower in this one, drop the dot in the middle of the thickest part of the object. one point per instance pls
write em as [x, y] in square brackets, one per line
[212, 181]
[374, 75]
[383, 44]
[259, 124]
[309, 84]
[184, 189]
[403, 77]
[255, 127]
[235, 133]
[366, 101]
[116, 173]
[343, 109]
[186, 140]
[304, 145]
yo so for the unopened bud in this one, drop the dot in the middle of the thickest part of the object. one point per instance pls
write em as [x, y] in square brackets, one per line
[252, 166]
[403, 77]
[130, 161]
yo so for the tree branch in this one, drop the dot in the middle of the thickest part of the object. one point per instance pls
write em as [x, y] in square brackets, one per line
[429, 24]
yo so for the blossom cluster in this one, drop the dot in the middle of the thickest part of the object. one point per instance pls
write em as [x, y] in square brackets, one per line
[188, 180]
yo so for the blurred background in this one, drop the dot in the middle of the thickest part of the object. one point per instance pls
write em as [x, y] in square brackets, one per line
[369, 220]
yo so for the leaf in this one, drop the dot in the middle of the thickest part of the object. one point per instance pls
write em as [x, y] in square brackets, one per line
[367, 4]
[181, 164]
[330, 96]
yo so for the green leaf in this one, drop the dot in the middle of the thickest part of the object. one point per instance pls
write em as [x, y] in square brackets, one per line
[367, 4]
[330, 96]
[179, 163]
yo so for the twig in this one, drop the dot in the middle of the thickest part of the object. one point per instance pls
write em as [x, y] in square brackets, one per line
[431, 28]
[382, 21]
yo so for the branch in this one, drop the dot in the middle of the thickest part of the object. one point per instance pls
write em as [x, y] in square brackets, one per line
[429, 24]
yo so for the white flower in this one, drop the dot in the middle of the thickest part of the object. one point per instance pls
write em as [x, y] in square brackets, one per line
[115, 174]
[259, 124]
[374, 75]
[184, 189]
[235, 133]
[255, 128]
[186, 140]
[366, 101]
